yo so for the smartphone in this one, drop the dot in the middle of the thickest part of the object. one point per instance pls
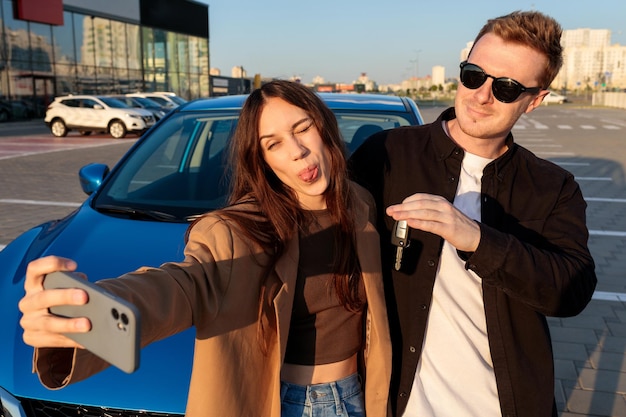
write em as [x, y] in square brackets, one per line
[115, 322]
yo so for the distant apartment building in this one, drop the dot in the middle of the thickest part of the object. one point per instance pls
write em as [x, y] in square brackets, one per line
[465, 51]
[365, 83]
[590, 61]
[439, 75]
[238, 72]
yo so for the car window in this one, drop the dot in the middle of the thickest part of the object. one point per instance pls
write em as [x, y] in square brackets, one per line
[127, 101]
[356, 127]
[143, 101]
[181, 170]
[114, 103]
[88, 103]
[71, 102]
[178, 100]
[162, 101]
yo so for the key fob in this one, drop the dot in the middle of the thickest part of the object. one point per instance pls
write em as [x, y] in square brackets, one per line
[400, 234]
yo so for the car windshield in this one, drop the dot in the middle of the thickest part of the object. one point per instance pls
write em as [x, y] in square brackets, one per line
[180, 170]
[146, 102]
[114, 103]
[178, 100]
[162, 101]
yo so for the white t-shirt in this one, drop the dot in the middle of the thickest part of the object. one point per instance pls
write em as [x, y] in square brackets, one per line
[455, 374]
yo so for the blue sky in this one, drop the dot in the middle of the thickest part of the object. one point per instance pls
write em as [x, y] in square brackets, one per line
[387, 39]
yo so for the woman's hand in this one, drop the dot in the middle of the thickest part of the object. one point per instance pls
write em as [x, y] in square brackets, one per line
[41, 328]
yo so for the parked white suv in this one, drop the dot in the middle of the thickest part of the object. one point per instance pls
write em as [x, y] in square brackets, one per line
[96, 114]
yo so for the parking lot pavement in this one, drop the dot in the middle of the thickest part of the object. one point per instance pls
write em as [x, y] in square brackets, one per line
[589, 349]
[36, 144]
[42, 184]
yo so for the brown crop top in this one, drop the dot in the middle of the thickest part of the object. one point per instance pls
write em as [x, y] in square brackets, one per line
[322, 330]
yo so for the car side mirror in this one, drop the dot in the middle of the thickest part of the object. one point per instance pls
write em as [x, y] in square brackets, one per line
[91, 177]
[98, 107]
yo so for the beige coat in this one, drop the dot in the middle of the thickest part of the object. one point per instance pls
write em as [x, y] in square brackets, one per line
[216, 288]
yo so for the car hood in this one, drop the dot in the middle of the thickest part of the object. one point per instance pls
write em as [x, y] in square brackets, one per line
[103, 246]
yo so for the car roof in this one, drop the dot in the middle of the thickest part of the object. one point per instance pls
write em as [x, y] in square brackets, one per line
[336, 101]
[70, 96]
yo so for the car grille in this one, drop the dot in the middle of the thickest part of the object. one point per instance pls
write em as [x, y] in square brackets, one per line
[37, 408]
[148, 119]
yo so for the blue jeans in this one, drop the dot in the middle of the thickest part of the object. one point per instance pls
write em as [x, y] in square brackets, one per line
[340, 398]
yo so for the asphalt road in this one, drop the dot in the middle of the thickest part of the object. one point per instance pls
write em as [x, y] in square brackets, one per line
[38, 181]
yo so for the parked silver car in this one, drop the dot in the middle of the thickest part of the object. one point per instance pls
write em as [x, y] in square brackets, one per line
[165, 99]
[157, 109]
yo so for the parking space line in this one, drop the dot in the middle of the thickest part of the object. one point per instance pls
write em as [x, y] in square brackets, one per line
[594, 178]
[34, 145]
[555, 153]
[606, 200]
[56, 149]
[609, 296]
[539, 126]
[39, 203]
[609, 233]
[577, 164]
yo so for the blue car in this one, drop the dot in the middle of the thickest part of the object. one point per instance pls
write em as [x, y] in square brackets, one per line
[136, 214]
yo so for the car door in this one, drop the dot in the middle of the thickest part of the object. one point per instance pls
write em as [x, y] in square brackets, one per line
[93, 113]
[69, 111]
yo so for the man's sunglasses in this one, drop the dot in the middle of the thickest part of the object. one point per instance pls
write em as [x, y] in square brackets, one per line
[506, 90]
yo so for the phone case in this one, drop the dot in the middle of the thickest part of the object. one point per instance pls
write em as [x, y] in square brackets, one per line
[115, 322]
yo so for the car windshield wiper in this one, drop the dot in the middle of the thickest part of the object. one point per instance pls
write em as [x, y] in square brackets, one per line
[193, 217]
[137, 213]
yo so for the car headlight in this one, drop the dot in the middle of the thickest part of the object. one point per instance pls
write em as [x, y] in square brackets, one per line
[134, 116]
[9, 405]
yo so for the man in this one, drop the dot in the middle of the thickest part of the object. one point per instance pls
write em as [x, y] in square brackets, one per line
[498, 238]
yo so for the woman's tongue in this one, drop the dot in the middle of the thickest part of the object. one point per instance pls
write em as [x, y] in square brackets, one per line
[308, 175]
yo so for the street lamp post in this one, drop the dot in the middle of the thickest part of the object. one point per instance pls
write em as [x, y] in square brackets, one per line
[241, 84]
[416, 62]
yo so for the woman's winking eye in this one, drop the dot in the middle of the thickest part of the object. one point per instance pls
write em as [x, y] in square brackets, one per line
[300, 127]
[306, 125]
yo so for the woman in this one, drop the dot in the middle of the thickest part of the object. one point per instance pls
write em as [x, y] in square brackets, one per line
[283, 285]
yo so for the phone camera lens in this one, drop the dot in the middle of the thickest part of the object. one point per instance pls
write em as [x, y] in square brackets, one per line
[115, 313]
[124, 319]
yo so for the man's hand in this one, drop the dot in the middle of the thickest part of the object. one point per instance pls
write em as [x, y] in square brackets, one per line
[435, 214]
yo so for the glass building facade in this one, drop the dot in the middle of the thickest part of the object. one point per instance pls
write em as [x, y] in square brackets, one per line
[94, 55]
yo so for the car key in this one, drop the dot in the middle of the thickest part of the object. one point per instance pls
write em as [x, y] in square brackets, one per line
[400, 238]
